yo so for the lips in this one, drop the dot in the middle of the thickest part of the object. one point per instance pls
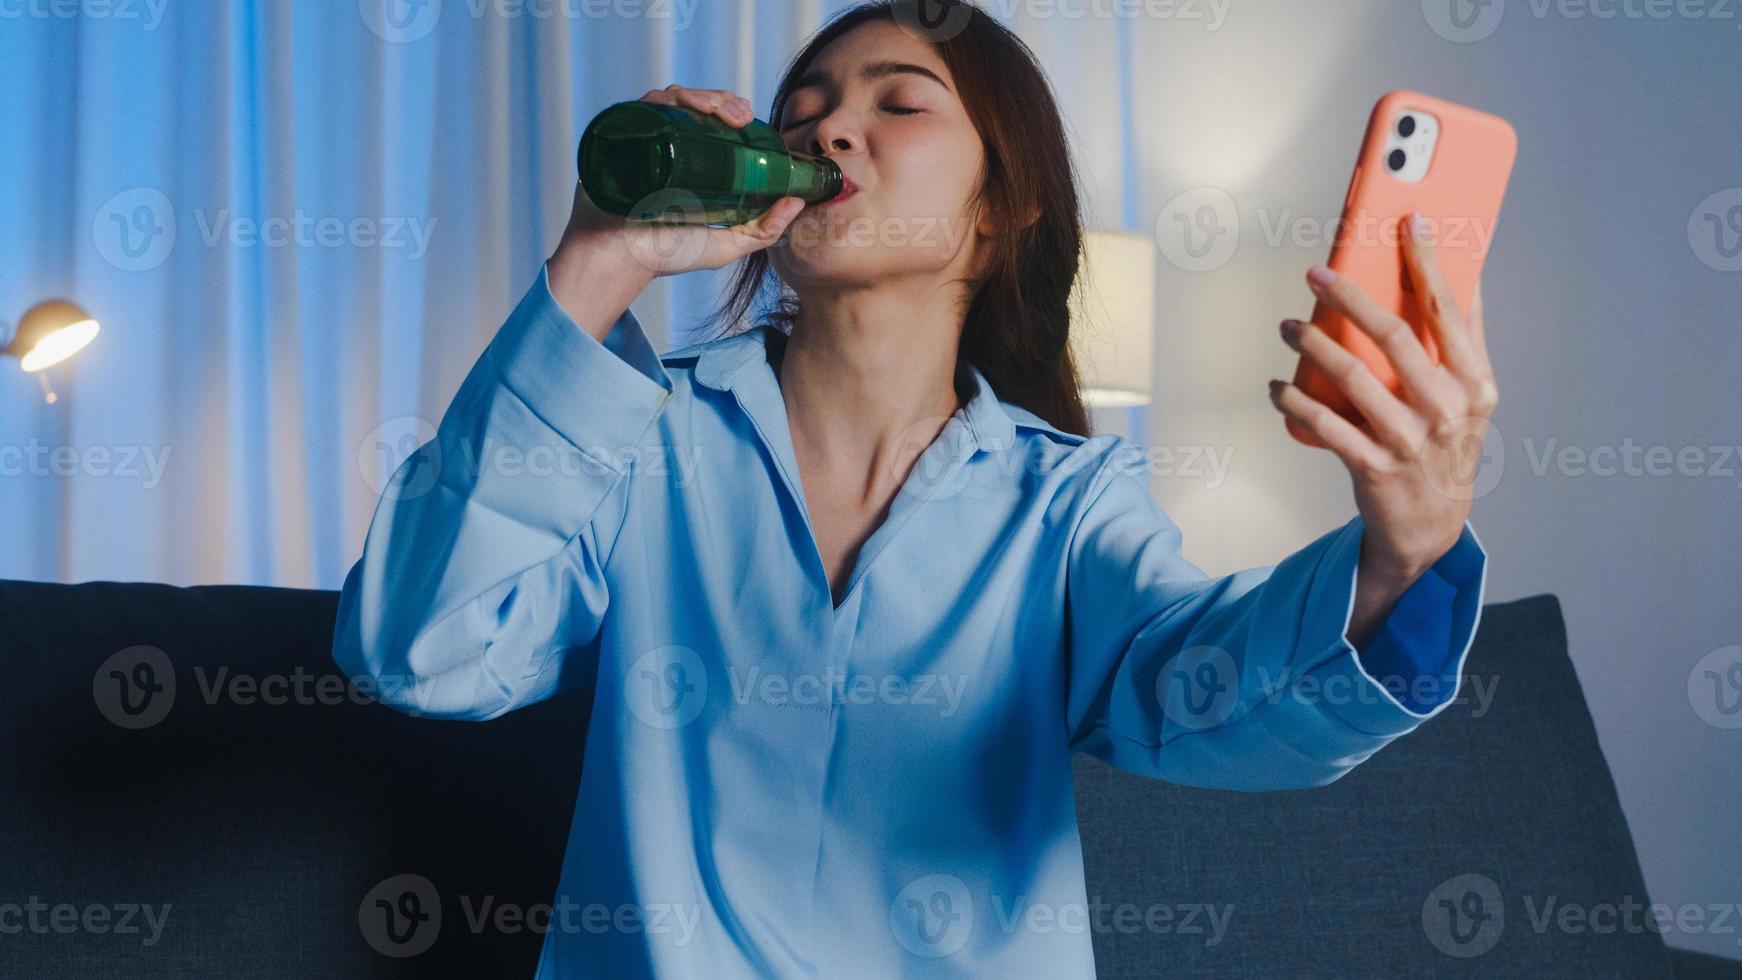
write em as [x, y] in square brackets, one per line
[848, 189]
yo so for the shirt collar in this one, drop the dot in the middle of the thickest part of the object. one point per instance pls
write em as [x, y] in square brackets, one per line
[725, 362]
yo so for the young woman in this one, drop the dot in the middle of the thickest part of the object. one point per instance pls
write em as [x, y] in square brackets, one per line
[851, 586]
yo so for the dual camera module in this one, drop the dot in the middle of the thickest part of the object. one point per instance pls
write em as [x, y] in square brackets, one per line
[1411, 144]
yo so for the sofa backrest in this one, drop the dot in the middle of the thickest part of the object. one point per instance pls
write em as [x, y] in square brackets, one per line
[268, 828]
[188, 784]
[1488, 842]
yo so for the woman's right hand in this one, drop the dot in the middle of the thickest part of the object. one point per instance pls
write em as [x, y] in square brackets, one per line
[666, 249]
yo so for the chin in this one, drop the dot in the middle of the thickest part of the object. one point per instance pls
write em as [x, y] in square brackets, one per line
[834, 261]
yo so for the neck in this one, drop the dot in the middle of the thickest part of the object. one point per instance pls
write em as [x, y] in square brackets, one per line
[869, 379]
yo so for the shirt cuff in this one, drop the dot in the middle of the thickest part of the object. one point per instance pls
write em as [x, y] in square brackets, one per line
[601, 397]
[1414, 666]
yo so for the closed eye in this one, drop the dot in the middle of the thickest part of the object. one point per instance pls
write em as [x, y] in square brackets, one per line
[896, 109]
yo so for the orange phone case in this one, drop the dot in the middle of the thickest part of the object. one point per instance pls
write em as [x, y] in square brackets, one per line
[1460, 194]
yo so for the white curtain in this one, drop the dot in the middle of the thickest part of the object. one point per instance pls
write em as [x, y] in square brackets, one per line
[299, 223]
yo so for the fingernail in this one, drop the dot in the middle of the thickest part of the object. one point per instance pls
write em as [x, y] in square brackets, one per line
[1275, 387]
[1290, 328]
[1319, 275]
[1418, 226]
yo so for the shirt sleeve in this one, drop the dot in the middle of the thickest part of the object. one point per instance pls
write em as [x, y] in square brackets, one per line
[1248, 681]
[481, 586]
[1408, 656]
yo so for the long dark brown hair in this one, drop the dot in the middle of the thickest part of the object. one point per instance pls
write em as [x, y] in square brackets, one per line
[1017, 325]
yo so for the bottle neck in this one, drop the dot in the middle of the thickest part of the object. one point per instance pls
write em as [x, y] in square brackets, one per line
[815, 178]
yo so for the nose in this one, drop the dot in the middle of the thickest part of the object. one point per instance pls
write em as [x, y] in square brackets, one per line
[833, 132]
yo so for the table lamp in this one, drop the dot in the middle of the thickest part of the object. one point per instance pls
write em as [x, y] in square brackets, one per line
[48, 333]
[1113, 318]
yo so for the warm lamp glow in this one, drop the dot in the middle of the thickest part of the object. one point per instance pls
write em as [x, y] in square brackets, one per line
[1113, 318]
[1113, 398]
[60, 345]
[48, 333]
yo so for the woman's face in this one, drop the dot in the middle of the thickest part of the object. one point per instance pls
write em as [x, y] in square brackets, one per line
[904, 139]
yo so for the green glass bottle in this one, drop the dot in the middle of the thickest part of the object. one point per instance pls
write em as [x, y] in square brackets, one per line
[649, 161]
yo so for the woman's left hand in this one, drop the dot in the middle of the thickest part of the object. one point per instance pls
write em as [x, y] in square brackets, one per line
[1410, 449]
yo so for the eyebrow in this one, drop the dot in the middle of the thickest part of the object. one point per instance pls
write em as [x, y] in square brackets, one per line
[870, 72]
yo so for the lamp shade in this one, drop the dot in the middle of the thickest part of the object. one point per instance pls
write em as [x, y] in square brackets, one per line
[1113, 318]
[50, 332]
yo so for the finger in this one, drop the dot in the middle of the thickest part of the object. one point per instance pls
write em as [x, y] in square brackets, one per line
[754, 235]
[1338, 434]
[771, 223]
[698, 99]
[729, 98]
[677, 95]
[729, 107]
[1434, 296]
[739, 111]
[1394, 422]
[1389, 331]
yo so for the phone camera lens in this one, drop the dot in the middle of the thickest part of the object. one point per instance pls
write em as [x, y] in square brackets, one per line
[1397, 159]
[1406, 127]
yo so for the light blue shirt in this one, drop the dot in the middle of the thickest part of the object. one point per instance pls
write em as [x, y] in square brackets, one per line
[778, 787]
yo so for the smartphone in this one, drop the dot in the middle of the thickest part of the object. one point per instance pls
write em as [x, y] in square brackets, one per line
[1421, 154]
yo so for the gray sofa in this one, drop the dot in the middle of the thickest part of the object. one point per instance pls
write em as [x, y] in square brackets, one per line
[188, 789]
